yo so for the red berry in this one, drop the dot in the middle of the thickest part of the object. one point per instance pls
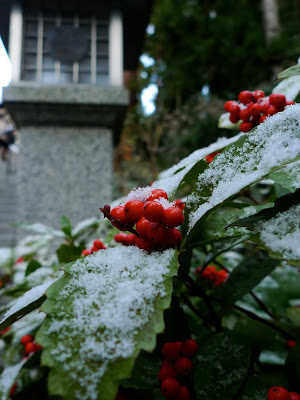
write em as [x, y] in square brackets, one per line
[99, 244]
[170, 388]
[183, 366]
[133, 210]
[209, 159]
[220, 277]
[278, 393]
[153, 211]
[246, 97]
[172, 238]
[173, 217]
[157, 194]
[264, 104]
[255, 110]
[234, 117]
[156, 232]
[277, 100]
[26, 339]
[166, 372]
[30, 347]
[120, 237]
[118, 213]
[228, 105]
[262, 119]
[37, 347]
[86, 252]
[234, 107]
[180, 203]
[289, 102]
[258, 94]
[183, 394]
[171, 350]
[246, 126]
[189, 348]
[294, 396]
[142, 227]
[291, 343]
[94, 250]
[245, 114]
[13, 390]
[144, 244]
[272, 110]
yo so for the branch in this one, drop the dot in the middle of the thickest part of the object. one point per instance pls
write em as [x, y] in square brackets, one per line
[115, 222]
[194, 309]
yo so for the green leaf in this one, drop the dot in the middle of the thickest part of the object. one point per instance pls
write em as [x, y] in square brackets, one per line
[248, 274]
[292, 365]
[8, 378]
[66, 226]
[100, 315]
[221, 367]
[68, 253]
[281, 204]
[288, 177]
[224, 122]
[32, 266]
[222, 246]
[291, 71]
[255, 389]
[28, 302]
[243, 163]
[290, 87]
[87, 225]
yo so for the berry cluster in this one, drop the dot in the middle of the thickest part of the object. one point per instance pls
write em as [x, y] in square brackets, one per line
[29, 346]
[280, 393]
[212, 274]
[254, 107]
[176, 365]
[97, 245]
[155, 221]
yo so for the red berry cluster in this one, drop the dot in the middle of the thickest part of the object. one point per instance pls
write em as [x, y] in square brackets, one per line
[29, 345]
[176, 365]
[97, 245]
[254, 107]
[280, 393]
[212, 274]
[290, 343]
[154, 219]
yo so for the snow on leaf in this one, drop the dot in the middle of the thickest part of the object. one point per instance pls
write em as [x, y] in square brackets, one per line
[224, 122]
[270, 146]
[288, 177]
[281, 234]
[28, 302]
[290, 87]
[41, 229]
[8, 378]
[170, 179]
[294, 70]
[100, 315]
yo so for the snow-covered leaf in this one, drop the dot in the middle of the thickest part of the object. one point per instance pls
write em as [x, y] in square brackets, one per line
[85, 225]
[224, 122]
[269, 147]
[41, 229]
[100, 315]
[171, 179]
[8, 378]
[291, 71]
[288, 177]
[290, 87]
[28, 302]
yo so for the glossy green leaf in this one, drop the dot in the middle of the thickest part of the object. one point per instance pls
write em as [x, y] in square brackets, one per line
[100, 315]
[291, 71]
[68, 253]
[32, 266]
[66, 226]
[221, 367]
[248, 274]
[290, 87]
[243, 163]
[288, 177]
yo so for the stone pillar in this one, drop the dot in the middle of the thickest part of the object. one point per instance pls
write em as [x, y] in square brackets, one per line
[66, 157]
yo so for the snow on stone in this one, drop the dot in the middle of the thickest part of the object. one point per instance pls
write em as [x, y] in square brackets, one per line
[282, 233]
[170, 179]
[113, 294]
[29, 297]
[273, 143]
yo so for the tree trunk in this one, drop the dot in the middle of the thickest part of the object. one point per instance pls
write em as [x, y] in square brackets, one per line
[271, 19]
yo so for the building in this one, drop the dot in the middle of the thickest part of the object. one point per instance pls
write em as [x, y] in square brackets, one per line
[70, 60]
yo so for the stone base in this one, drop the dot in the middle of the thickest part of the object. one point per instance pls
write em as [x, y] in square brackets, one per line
[63, 171]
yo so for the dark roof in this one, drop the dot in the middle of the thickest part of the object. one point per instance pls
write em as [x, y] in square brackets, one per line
[136, 14]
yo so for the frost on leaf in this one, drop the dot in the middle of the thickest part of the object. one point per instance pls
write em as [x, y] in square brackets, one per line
[100, 314]
[270, 146]
[281, 234]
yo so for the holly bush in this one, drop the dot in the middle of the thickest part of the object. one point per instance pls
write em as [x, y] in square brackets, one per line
[220, 306]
